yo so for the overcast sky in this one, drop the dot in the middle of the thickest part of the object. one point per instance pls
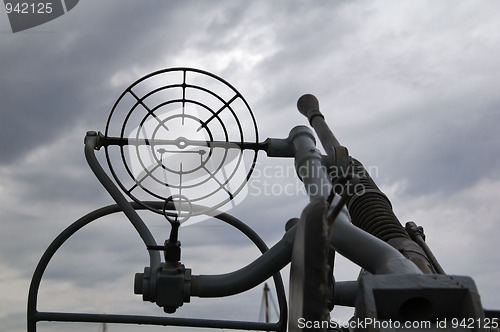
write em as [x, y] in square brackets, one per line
[410, 87]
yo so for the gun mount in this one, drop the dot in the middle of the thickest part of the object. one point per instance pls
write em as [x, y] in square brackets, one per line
[182, 143]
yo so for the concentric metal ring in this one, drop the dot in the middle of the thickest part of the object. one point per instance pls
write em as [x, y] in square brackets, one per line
[181, 131]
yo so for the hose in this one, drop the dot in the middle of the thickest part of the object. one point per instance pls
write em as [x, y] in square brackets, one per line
[371, 210]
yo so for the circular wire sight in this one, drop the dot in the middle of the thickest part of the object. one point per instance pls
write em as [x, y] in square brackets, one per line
[182, 207]
[176, 135]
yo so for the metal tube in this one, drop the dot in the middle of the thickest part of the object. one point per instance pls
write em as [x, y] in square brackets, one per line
[308, 105]
[308, 163]
[153, 320]
[435, 263]
[271, 262]
[91, 142]
[345, 293]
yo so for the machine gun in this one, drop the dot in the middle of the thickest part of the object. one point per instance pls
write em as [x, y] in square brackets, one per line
[184, 151]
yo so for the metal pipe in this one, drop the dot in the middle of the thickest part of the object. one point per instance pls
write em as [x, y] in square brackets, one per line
[91, 142]
[345, 293]
[308, 163]
[417, 235]
[271, 262]
[162, 321]
[308, 105]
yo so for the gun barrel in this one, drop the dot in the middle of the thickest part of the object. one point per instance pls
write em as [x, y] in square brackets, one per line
[308, 105]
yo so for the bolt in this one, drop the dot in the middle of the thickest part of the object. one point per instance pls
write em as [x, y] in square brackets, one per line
[169, 309]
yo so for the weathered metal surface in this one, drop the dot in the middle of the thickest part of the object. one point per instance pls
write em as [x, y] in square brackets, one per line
[308, 272]
[422, 299]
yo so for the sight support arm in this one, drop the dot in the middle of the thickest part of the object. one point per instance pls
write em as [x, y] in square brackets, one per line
[92, 143]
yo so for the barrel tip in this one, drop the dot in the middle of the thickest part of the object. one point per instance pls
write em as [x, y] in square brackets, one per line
[307, 103]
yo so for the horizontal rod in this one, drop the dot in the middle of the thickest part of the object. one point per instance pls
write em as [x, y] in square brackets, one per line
[154, 320]
[274, 147]
[182, 143]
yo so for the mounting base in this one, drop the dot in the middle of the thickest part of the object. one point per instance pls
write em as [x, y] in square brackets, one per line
[440, 302]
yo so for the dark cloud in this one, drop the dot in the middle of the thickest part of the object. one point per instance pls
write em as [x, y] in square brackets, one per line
[436, 147]
[64, 76]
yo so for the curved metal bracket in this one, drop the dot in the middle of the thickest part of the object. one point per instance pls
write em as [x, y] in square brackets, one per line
[34, 316]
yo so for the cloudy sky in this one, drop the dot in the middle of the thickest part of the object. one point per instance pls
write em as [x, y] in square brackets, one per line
[410, 87]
